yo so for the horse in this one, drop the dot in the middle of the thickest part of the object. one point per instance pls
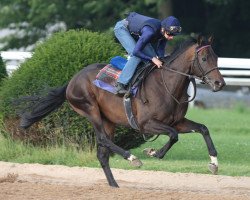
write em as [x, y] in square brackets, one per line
[163, 113]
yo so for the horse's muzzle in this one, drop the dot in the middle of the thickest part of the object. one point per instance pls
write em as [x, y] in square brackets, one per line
[217, 85]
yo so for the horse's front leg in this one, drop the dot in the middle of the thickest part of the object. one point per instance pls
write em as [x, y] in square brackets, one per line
[187, 126]
[158, 127]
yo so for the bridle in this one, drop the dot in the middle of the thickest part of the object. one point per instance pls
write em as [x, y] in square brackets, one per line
[192, 78]
[204, 74]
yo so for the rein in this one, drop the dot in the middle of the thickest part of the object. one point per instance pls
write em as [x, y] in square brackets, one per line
[192, 78]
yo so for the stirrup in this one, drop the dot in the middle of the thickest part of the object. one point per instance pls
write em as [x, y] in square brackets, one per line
[120, 89]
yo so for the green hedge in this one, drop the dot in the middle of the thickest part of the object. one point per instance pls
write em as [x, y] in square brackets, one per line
[55, 61]
[3, 72]
[53, 64]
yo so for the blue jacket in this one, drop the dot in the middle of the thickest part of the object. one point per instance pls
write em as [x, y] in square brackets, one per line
[149, 30]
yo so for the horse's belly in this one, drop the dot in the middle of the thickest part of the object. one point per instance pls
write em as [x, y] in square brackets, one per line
[112, 108]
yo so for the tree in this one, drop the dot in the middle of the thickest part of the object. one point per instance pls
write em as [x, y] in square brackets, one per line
[32, 20]
[3, 72]
[227, 20]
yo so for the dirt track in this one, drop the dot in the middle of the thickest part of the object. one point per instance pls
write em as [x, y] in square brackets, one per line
[35, 181]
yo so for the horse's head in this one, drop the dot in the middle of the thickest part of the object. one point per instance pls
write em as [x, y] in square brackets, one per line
[205, 65]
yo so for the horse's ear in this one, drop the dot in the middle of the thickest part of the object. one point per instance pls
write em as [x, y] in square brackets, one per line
[200, 39]
[211, 39]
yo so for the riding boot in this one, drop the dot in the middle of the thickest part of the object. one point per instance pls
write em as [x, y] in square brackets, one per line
[120, 88]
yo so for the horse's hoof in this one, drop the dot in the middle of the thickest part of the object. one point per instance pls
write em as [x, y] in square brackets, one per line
[114, 185]
[213, 168]
[149, 152]
[136, 163]
[24, 123]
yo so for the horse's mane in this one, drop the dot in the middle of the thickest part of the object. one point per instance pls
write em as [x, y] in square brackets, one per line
[181, 48]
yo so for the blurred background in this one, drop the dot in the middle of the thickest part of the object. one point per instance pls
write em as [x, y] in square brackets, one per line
[25, 22]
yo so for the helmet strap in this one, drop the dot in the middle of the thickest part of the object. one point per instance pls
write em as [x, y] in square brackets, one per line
[163, 31]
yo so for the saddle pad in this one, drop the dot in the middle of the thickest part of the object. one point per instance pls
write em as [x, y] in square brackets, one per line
[108, 74]
[107, 78]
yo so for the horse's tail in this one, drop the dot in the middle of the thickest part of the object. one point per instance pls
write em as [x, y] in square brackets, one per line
[42, 106]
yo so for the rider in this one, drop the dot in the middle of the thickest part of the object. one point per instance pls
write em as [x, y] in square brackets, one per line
[144, 38]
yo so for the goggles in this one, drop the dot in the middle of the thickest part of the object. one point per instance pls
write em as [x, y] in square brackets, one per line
[174, 29]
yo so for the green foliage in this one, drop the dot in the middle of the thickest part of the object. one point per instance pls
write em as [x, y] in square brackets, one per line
[219, 2]
[231, 28]
[175, 42]
[57, 60]
[18, 151]
[3, 72]
[220, 18]
[53, 64]
[36, 19]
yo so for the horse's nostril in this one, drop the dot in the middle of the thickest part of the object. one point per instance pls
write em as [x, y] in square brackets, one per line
[219, 83]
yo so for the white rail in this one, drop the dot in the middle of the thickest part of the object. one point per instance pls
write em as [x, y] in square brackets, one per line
[13, 59]
[15, 55]
[236, 71]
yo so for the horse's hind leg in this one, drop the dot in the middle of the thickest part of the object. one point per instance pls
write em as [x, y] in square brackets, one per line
[103, 154]
[187, 126]
[103, 157]
[103, 140]
[105, 145]
[90, 110]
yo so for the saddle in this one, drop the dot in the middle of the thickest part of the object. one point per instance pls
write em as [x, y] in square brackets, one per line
[110, 73]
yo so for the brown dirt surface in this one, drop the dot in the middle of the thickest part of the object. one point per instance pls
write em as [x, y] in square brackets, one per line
[36, 181]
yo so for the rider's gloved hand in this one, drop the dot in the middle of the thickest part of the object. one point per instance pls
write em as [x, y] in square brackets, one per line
[157, 62]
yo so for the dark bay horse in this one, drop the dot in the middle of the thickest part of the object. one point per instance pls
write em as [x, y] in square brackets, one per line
[164, 112]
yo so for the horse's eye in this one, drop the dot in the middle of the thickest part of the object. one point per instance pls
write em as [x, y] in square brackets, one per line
[204, 59]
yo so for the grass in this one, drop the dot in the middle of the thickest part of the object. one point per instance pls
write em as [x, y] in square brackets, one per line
[16, 151]
[229, 129]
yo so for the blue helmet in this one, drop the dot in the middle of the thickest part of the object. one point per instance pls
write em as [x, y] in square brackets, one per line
[171, 25]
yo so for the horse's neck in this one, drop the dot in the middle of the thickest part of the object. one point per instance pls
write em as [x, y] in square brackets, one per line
[166, 84]
[178, 83]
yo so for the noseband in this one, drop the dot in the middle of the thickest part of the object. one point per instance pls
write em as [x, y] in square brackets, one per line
[192, 78]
